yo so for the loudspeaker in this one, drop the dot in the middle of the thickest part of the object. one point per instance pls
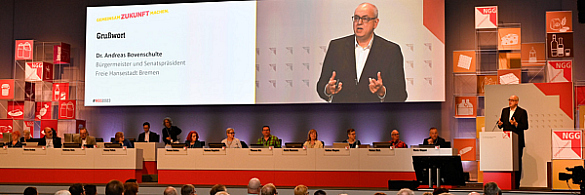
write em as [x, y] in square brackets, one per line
[581, 10]
[399, 184]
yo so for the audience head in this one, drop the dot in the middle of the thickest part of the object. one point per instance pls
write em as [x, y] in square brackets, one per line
[119, 136]
[379, 193]
[491, 188]
[90, 189]
[474, 193]
[76, 189]
[438, 191]
[266, 131]
[217, 188]
[268, 189]
[167, 122]
[193, 136]
[31, 191]
[83, 133]
[320, 192]
[427, 193]
[301, 190]
[48, 132]
[15, 135]
[312, 135]
[222, 193]
[230, 133]
[351, 133]
[395, 135]
[434, 133]
[254, 186]
[26, 134]
[405, 191]
[114, 187]
[146, 126]
[188, 189]
[130, 188]
[62, 192]
[170, 191]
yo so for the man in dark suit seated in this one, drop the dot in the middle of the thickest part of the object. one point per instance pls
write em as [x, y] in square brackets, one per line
[363, 67]
[147, 135]
[84, 138]
[434, 139]
[51, 140]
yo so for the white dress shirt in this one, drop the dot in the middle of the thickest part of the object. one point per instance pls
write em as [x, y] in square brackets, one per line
[49, 143]
[361, 55]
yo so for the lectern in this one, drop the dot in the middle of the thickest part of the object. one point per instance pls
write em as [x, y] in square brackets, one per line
[498, 155]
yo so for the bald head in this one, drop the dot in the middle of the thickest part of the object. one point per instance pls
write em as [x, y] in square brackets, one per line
[395, 135]
[369, 8]
[170, 191]
[254, 186]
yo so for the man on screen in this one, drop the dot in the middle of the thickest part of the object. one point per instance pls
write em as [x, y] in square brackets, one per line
[363, 67]
[515, 119]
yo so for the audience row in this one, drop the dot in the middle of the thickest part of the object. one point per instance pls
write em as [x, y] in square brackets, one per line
[130, 187]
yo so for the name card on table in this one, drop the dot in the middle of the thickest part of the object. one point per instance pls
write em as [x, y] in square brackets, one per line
[214, 151]
[260, 151]
[176, 151]
[34, 151]
[72, 151]
[294, 151]
[337, 152]
[382, 152]
[114, 151]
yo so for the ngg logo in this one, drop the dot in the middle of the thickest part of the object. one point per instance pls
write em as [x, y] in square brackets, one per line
[571, 135]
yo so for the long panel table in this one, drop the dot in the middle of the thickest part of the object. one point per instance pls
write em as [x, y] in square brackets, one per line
[326, 167]
[69, 165]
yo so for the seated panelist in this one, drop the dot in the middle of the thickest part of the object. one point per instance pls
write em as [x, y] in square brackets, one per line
[51, 140]
[312, 141]
[396, 142]
[148, 135]
[231, 141]
[15, 140]
[84, 138]
[351, 139]
[434, 139]
[119, 138]
[193, 140]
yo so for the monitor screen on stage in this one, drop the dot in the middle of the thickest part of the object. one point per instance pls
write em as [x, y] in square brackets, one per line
[265, 52]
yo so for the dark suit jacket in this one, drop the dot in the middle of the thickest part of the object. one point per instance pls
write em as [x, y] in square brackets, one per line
[384, 57]
[56, 142]
[173, 132]
[439, 142]
[521, 117]
[153, 137]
